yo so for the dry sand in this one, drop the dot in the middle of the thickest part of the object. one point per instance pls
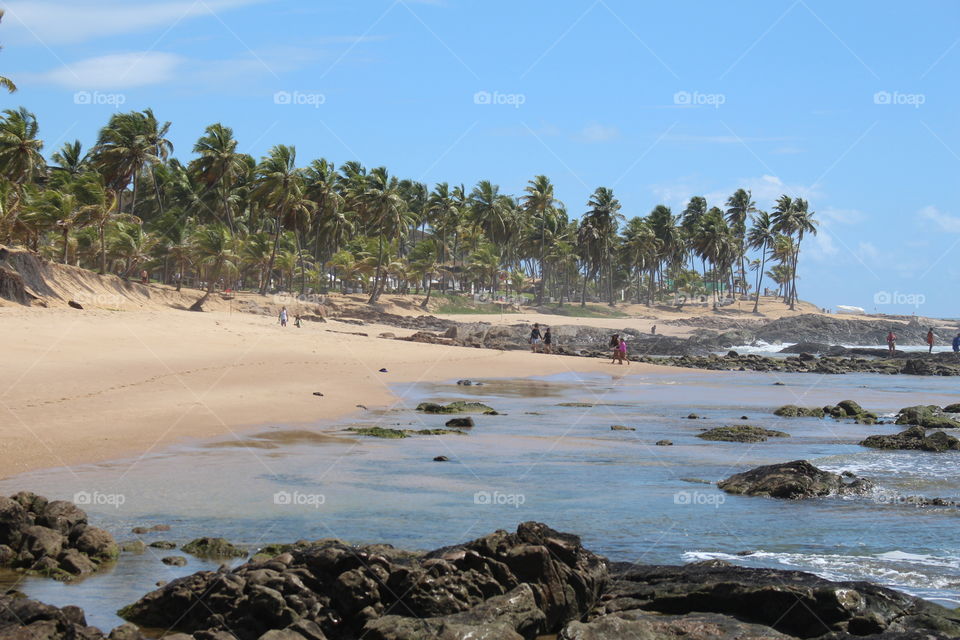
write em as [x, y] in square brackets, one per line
[91, 385]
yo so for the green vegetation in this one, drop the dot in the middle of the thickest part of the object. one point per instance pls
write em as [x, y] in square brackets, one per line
[458, 406]
[741, 433]
[586, 311]
[461, 304]
[225, 220]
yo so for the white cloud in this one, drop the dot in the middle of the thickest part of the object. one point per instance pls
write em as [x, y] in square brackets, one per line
[114, 71]
[946, 222]
[765, 189]
[55, 22]
[596, 132]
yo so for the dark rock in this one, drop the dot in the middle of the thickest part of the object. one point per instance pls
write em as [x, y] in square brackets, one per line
[343, 589]
[741, 433]
[663, 443]
[794, 603]
[76, 563]
[174, 561]
[163, 544]
[928, 416]
[914, 438]
[793, 411]
[133, 546]
[97, 543]
[792, 480]
[74, 304]
[512, 616]
[456, 407]
[620, 427]
[462, 423]
[61, 516]
[213, 548]
[441, 459]
[952, 408]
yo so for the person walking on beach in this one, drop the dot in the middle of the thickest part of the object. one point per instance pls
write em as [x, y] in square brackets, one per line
[547, 341]
[283, 317]
[620, 353]
[930, 340]
[296, 321]
[614, 346]
[536, 339]
[892, 342]
[144, 277]
[653, 330]
[956, 344]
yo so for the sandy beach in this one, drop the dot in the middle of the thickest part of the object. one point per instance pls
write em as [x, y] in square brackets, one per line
[94, 385]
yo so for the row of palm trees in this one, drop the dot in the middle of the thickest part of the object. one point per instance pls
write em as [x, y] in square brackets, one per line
[227, 219]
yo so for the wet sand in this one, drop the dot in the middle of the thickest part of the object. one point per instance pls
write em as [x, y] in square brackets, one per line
[98, 385]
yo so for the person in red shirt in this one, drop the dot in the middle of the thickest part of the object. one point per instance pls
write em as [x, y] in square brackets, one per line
[892, 342]
[930, 340]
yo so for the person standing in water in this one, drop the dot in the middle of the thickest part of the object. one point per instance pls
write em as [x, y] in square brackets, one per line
[930, 340]
[283, 317]
[892, 342]
[536, 339]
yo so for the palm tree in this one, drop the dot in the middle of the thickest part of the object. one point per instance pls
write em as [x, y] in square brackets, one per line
[388, 216]
[279, 184]
[219, 166]
[792, 217]
[761, 237]
[604, 214]
[213, 247]
[540, 202]
[126, 145]
[642, 248]
[740, 206]
[20, 160]
[70, 159]
[6, 82]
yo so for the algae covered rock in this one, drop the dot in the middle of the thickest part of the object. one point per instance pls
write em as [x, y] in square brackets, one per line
[914, 438]
[793, 411]
[929, 416]
[741, 433]
[213, 548]
[459, 406]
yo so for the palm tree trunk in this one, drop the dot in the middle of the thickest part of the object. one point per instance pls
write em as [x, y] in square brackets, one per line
[378, 278]
[273, 256]
[66, 244]
[763, 264]
[215, 273]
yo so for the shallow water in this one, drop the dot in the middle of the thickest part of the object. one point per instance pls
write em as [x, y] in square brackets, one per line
[563, 465]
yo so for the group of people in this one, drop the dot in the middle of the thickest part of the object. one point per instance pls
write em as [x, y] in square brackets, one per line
[619, 346]
[284, 316]
[930, 340]
[541, 341]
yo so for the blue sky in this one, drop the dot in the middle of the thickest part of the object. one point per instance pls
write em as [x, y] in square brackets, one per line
[852, 105]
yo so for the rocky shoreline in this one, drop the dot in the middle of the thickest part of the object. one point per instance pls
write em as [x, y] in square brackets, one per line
[502, 586]
[816, 347]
